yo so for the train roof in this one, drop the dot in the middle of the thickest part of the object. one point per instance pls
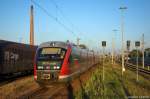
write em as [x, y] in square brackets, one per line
[60, 44]
[54, 44]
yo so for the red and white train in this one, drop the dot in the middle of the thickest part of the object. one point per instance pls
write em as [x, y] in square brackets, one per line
[57, 61]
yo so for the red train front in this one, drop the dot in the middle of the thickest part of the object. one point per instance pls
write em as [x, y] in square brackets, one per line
[60, 61]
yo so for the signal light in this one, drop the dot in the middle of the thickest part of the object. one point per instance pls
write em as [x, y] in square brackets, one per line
[40, 67]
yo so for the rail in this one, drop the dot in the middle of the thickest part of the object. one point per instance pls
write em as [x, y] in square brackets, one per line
[133, 67]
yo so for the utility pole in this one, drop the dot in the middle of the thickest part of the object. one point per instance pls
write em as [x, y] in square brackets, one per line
[143, 50]
[122, 30]
[31, 26]
[112, 58]
[113, 47]
[78, 39]
[137, 70]
[20, 39]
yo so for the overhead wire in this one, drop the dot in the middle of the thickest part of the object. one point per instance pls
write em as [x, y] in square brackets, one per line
[57, 20]
[66, 18]
[72, 25]
[53, 17]
[63, 15]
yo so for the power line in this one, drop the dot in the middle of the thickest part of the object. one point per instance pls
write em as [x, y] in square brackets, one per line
[57, 20]
[54, 18]
[61, 12]
[66, 18]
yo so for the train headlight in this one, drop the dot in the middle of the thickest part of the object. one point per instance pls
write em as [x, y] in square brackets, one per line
[47, 67]
[40, 67]
[55, 67]
[58, 67]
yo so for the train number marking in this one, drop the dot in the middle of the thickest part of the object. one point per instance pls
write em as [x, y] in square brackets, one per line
[10, 56]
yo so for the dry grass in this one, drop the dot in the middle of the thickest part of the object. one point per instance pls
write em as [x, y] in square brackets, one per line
[17, 88]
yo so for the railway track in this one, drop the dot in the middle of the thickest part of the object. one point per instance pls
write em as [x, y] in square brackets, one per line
[8, 80]
[42, 92]
[27, 88]
[59, 91]
[140, 70]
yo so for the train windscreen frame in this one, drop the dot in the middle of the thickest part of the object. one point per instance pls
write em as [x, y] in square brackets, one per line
[50, 58]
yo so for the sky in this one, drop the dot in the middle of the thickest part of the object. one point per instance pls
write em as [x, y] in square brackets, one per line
[92, 21]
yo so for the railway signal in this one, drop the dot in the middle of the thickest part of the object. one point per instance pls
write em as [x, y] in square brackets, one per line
[128, 45]
[137, 44]
[103, 45]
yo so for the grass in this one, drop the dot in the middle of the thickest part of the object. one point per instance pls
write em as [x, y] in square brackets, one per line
[136, 88]
[12, 90]
[115, 86]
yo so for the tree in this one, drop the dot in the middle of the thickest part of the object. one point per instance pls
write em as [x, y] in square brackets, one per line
[82, 46]
[147, 52]
[133, 53]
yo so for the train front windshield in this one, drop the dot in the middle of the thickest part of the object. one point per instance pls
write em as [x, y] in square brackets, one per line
[50, 58]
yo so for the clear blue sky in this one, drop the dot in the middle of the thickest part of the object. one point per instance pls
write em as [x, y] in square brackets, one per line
[93, 21]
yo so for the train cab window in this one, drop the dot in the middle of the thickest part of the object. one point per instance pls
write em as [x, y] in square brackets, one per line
[51, 53]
